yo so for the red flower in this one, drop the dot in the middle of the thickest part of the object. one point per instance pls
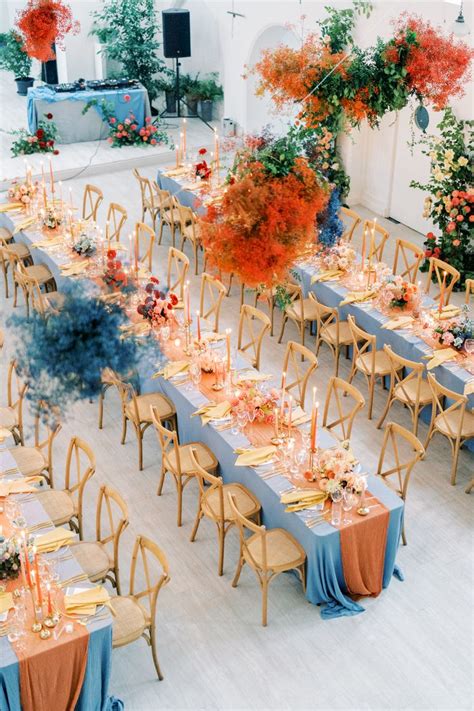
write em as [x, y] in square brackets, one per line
[40, 133]
[50, 143]
[42, 144]
[111, 254]
[173, 299]
[430, 235]
[202, 151]
[126, 98]
[460, 218]
[56, 152]
[154, 280]
[49, 116]
[428, 252]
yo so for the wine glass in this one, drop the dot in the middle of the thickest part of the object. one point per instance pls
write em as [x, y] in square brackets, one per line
[349, 500]
[196, 375]
[469, 346]
[242, 419]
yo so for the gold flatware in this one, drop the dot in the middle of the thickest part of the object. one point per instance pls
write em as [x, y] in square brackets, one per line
[73, 579]
[39, 526]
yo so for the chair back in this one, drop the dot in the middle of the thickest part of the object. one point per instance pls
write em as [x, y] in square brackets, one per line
[128, 396]
[148, 557]
[90, 202]
[325, 316]
[164, 198]
[47, 428]
[144, 241]
[178, 266]
[168, 440]
[374, 238]
[295, 305]
[116, 218]
[16, 391]
[208, 484]
[362, 343]
[348, 401]
[186, 216]
[443, 411]
[469, 285]
[438, 273]
[409, 255]
[80, 467]
[351, 220]
[210, 299]
[403, 374]
[253, 325]
[298, 372]
[396, 436]
[244, 524]
[111, 520]
[146, 191]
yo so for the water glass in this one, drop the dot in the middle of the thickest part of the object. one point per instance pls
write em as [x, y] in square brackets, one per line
[336, 513]
[469, 346]
[242, 419]
[349, 500]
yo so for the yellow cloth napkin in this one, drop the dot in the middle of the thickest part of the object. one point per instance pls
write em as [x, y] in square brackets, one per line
[175, 171]
[172, 369]
[19, 486]
[329, 275]
[51, 541]
[255, 456]
[136, 328]
[193, 186]
[253, 376]
[11, 206]
[357, 297]
[24, 224]
[6, 602]
[86, 601]
[439, 357]
[45, 243]
[298, 416]
[447, 312]
[211, 411]
[398, 322]
[469, 387]
[74, 268]
[302, 499]
[318, 498]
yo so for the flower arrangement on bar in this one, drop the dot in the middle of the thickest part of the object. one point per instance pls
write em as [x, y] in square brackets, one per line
[249, 397]
[41, 141]
[202, 169]
[341, 256]
[23, 192]
[396, 293]
[114, 275]
[51, 219]
[158, 306]
[455, 331]
[128, 132]
[450, 204]
[44, 23]
[85, 245]
[9, 558]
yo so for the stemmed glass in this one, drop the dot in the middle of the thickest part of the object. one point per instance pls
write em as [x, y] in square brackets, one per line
[336, 497]
[242, 419]
[196, 375]
[469, 346]
[349, 500]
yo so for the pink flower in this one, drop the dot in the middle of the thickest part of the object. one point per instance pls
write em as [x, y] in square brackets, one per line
[120, 127]
[148, 119]
[456, 242]
[153, 141]
[460, 218]
[142, 132]
[126, 98]
[145, 138]
[447, 338]
[110, 140]
[134, 126]
[127, 122]
[451, 227]
[113, 120]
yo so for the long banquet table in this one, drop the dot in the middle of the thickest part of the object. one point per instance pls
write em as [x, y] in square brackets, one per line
[94, 693]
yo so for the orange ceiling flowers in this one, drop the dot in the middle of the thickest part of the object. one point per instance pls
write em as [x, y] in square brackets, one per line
[43, 23]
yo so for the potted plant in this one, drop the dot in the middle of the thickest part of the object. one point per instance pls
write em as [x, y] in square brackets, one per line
[209, 92]
[15, 60]
[190, 87]
[167, 84]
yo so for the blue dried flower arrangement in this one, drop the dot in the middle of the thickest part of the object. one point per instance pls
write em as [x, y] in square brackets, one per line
[329, 224]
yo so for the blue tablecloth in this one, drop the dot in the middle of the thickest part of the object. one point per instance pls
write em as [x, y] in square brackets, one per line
[185, 197]
[138, 104]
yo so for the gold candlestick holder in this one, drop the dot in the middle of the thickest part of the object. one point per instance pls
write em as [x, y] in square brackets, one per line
[363, 509]
[219, 383]
[187, 338]
[37, 625]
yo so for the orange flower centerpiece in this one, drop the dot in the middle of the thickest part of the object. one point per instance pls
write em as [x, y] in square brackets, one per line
[267, 214]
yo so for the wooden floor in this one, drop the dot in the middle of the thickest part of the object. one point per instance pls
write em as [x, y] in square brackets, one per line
[411, 649]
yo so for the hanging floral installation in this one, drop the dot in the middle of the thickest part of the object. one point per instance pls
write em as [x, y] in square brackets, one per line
[338, 85]
[44, 23]
[268, 212]
[450, 203]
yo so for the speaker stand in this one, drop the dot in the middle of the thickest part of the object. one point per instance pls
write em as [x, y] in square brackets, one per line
[179, 101]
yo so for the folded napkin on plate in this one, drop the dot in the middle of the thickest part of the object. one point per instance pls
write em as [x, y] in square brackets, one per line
[253, 376]
[45, 243]
[172, 369]
[398, 322]
[193, 186]
[175, 171]
[136, 329]
[211, 337]
[51, 541]
[211, 411]
[357, 297]
[6, 602]
[329, 275]
[439, 357]
[11, 206]
[255, 456]
[86, 601]
[74, 267]
[20, 486]
[447, 312]
[469, 387]
[302, 498]
[298, 416]
[24, 224]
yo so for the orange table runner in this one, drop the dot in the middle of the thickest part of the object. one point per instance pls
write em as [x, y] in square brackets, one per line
[51, 671]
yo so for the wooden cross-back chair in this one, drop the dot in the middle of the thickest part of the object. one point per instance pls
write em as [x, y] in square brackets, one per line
[331, 330]
[299, 310]
[44, 304]
[375, 239]
[176, 460]
[267, 552]
[148, 198]
[347, 400]
[297, 374]
[135, 613]
[409, 255]
[469, 287]
[40, 272]
[178, 266]
[8, 247]
[116, 218]
[137, 409]
[11, 416]
[350, 223]
[395, 437]
[38, 460]
[66, 505]
[214, 504]
[407, 386]
[189, 228]
[91, 200]
[253, 325]
[366, 359]
[454, 420]
[435, 277]
[210, 300]
[99, 559]
[144, 240]
[168, 211]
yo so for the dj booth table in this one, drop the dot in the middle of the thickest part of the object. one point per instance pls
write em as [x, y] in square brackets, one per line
[66, 107]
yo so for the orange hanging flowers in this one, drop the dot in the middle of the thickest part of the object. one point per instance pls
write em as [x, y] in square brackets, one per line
[43, 23]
